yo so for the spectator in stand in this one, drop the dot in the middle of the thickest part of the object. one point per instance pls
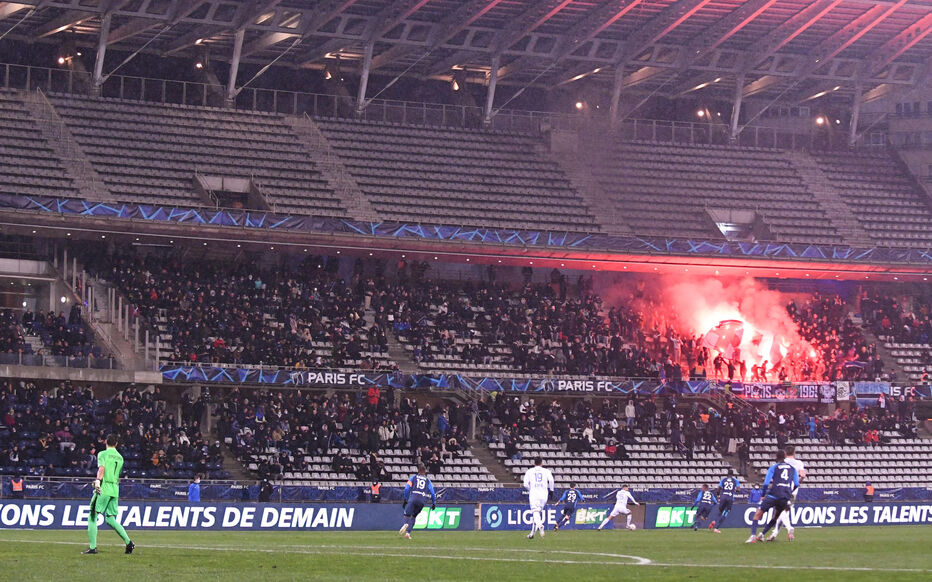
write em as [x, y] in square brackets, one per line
[194, 490]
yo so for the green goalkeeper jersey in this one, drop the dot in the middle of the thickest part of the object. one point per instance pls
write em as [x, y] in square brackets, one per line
[112, 462]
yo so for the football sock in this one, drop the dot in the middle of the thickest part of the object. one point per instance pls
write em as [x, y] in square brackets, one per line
[112, 522]
[92, 529]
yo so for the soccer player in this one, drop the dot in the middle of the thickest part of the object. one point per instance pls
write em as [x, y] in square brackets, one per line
[539, 484]
[705, 501]
[107, 495]
[570, 498]
[621, 506]
[414, 498]
[778, 488]
[727, 487]
[785, 516]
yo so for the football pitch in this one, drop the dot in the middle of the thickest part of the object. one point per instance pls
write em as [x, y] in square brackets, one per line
[836, 553]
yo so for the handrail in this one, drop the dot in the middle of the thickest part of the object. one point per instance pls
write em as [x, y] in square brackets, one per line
[282, 102]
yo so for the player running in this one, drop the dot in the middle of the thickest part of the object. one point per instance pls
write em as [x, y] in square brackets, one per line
[785, 516]
[539, 484]
[107, 495]
[727, 487]
[705, 501]
[414, 498]
[622, 498]
[570, 498]
[779, 484]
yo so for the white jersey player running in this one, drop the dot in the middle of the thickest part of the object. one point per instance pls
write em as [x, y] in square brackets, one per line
[539, 484]
[784, 518]
[622, 498]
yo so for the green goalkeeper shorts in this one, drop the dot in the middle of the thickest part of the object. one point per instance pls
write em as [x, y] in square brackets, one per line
[105, 504]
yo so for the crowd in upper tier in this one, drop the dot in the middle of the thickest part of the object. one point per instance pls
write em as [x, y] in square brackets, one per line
[58, 432]
[313, 315]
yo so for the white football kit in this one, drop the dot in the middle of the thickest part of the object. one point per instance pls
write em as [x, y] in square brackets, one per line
[539, 484]
[622, 498]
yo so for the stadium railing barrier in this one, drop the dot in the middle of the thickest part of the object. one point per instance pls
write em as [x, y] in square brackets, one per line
[167, 91]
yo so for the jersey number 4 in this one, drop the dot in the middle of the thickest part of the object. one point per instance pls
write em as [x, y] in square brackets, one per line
[785, 475]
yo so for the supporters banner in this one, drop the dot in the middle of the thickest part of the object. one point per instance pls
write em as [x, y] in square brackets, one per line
[518, 516]
[19, 514]
[801, 515]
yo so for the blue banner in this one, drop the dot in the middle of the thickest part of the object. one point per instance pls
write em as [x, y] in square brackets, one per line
[250, 219]
[801, 515]
[518, 516]
[20, 514]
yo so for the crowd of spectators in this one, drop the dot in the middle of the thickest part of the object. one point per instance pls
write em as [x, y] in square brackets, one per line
[61, 336]
[845, 354]
[543, 330]
[246, 313]
[11, 335]
[58, 432]
[281, 427]
[903, 321]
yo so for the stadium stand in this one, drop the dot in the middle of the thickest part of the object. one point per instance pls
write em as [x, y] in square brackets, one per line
[898, 462]
[457, 177]
[28, 165]
[58, 432]
[905, 331]
[888, 203]
[159, 165]
[312, 438]
[247, 313]
[666, 189]
[602, 447]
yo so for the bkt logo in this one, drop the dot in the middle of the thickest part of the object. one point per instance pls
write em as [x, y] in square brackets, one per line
[493, 515]
[675, 517]
[440, 518]
[589, 516]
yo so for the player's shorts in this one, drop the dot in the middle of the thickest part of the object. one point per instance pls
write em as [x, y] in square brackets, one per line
[725, 505]
[774, 503]
[619, 509]
[537, 503]
[414, 506]
[105, 504]
[703, 511]
[568, 510]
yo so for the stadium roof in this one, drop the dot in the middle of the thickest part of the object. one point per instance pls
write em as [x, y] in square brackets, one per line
[798, 48]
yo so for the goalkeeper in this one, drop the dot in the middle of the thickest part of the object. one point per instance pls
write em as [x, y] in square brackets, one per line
[107, 495]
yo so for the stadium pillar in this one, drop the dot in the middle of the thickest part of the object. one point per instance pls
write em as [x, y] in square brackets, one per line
[101, 52]
[74, 273]
[736, 107]
[616, 93]
[234, 66]
[855, 115]
[490, 93]
[364, 79]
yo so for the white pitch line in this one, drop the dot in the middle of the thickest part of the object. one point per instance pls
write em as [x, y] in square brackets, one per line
[336, 549]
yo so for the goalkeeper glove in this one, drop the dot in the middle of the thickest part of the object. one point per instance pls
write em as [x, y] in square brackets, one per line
[97, 486]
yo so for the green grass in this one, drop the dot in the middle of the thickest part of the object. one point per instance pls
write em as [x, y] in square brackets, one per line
[857, 553]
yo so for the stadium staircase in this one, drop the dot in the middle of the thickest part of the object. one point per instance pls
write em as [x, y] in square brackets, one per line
[822, 189]
[563, 151]
[488, 458]
[56, 133]
[332, 169]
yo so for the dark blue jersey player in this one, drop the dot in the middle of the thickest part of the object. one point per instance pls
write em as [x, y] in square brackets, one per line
[779, 484]
[416, 493]
[727, 487]
[704, 503]
[570, 499]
